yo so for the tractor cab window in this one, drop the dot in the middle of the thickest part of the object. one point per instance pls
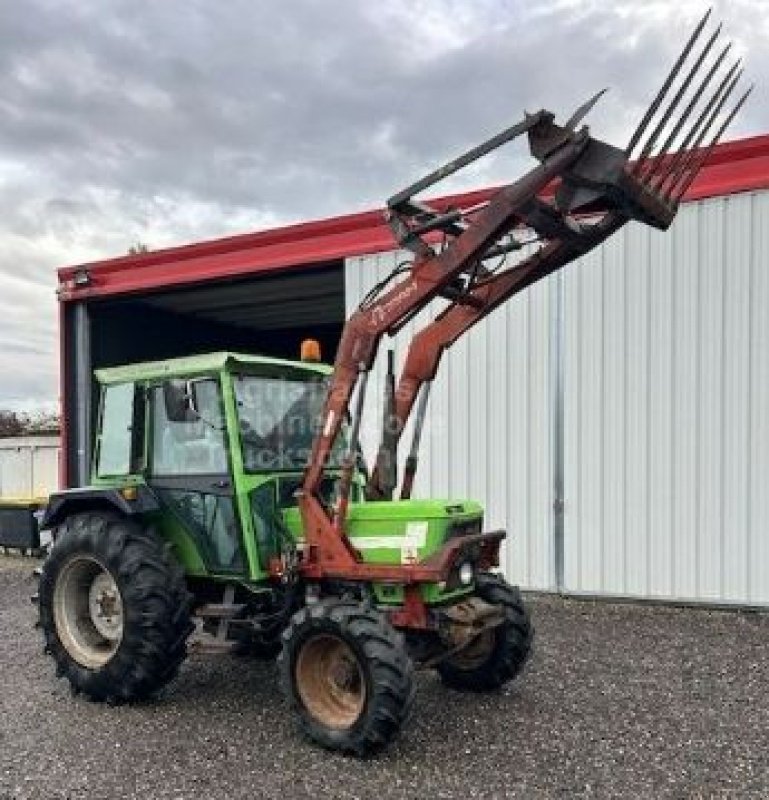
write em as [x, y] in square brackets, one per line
[192, 444]
[279, 419]
[116, 430]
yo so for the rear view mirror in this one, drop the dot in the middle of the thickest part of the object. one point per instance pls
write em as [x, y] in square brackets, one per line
[178, 403]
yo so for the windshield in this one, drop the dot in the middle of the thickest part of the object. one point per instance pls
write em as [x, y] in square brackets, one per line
[278, 421]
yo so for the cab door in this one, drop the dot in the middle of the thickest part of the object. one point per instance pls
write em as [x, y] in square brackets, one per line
[189, 469]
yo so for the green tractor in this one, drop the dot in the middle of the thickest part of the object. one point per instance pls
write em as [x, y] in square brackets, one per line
[231, 490]
[192, 514]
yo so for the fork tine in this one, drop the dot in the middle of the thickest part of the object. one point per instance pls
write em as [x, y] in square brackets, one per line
[674, 169]
[658, 176]
[648, 147]
[709, 149]
[584, 110]
[652, 110]
[694, 151]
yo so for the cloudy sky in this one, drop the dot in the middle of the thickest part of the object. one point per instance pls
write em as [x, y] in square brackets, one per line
[177, 120]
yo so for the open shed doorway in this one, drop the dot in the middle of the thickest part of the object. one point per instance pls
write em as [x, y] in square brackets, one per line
[259, 315]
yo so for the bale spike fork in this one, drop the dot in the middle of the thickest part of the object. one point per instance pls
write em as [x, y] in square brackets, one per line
[599, 188]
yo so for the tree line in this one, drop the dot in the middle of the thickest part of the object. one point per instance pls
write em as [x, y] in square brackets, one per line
[22, 423]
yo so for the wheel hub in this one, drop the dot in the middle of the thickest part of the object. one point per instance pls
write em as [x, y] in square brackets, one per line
[476, 653]
[472, 632]
[88, 611]
[330, 682]
[105, 606]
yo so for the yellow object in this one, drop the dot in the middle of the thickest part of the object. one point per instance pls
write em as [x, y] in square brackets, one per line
[22, 502]
[310, 350]
[129, 493]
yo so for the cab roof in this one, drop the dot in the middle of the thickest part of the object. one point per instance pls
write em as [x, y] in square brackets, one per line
[208, 363]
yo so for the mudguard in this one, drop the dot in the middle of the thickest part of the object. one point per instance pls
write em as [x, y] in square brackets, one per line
[75, 501]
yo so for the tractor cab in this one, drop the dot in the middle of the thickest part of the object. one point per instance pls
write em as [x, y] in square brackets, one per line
[220, 441]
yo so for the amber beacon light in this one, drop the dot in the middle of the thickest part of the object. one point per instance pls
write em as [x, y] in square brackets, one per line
[310, 350]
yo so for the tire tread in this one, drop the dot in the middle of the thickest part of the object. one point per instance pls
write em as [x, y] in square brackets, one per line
[156, 605]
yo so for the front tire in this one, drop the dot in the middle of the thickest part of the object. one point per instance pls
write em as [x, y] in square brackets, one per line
[498, 655]
[345, 673]
[114, 608]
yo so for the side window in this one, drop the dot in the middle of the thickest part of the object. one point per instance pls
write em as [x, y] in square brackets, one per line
[115, 438]
[193, 446]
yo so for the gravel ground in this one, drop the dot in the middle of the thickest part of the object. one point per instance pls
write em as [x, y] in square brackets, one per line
[619, 700]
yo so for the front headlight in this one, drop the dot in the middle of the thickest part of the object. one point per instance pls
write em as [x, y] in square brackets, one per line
[466, 573]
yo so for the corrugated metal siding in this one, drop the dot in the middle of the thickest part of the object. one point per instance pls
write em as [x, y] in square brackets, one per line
[488, 431]
[667, 408]
[29, 466]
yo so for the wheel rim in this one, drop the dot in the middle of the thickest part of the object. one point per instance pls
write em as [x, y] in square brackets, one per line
[88, 611]
[476, 653]
[330, 681]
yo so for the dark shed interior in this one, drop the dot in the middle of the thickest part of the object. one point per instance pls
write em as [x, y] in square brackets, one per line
[266, 315]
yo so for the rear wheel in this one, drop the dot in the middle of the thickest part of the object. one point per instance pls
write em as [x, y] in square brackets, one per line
[345, 672]
[498, 655]
[114, 608]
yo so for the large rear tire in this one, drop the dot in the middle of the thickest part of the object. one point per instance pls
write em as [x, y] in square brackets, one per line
[345, 673]
[114, 608]
[497, 656]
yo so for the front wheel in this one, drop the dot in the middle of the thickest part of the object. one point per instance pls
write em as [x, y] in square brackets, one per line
[497, 655]
[346, 674]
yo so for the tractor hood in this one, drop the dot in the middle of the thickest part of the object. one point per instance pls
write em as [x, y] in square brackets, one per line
[403, 531]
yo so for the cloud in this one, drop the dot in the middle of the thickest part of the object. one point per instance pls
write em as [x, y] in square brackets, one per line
[176, 121]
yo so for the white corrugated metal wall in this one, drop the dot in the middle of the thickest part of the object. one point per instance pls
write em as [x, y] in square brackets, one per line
[29, 466]
[487, 435]
[666, 359]
[665, 372]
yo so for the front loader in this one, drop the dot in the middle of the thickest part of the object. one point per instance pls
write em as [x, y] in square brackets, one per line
[229, 491]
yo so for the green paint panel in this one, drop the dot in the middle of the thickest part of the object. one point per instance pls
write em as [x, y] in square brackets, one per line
[400, 532]
[383, 530]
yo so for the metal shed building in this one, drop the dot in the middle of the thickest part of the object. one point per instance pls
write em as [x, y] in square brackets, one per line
[614, 418]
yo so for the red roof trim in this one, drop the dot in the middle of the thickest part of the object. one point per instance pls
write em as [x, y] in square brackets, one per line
[733, 167]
